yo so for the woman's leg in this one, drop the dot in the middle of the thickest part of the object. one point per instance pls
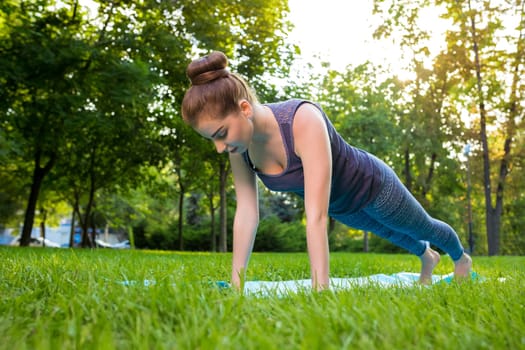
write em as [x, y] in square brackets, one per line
[397, 209]
[429, 258]
[397, 216]
[361, 220]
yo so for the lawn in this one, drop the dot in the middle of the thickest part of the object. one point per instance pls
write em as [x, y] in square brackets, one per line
[76, 299]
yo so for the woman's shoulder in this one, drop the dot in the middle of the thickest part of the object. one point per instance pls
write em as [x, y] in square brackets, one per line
[286, 110]
[289, 102]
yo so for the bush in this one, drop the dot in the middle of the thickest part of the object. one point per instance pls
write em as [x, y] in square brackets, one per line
[377, 244]
[197, 237]
[149, 236]
[274, 235]
[343, 238]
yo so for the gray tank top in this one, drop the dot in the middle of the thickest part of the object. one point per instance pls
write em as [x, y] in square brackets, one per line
[356, 174]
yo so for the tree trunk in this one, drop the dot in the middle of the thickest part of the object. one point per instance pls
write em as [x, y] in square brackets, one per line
[513, 114]
[76, 211]
[106, 233]
[213, 236]
[181, 216]
[493, 218]
[84, 237]
[72, 230]
[43, 226]
[131, 237]
[85, 240]
[331, 225]
[430, 175]
[365, 241]
[38, 176]
[93, 228]
[88, 241]
[408, 174]
[493, 225]
[223, 247]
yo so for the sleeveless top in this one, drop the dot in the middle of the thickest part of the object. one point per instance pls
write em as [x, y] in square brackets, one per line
[356, 174]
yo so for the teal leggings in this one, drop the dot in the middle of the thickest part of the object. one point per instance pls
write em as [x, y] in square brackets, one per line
[397, 216]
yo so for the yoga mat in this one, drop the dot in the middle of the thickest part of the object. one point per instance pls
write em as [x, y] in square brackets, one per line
[281, 288]
[400, 279]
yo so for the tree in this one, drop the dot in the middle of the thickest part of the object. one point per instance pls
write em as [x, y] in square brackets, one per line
[357, 104]
[431, 129]
[492, 79]
[252, 35]
[39, 56]
[84, 87]
[479, 72]
[89, 98]
[12, 172]
[188, 171]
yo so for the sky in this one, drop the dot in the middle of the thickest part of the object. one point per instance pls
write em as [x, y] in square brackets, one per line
[333, 29]
[340, 32]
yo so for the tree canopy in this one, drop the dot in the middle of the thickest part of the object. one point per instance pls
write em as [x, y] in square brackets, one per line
[90, 117]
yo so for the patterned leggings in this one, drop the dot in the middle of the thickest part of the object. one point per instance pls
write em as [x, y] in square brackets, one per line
[397, 216]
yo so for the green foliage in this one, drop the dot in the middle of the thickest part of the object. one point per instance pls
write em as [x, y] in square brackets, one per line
[89, 103]
[149, 209]
[274, 235]
[285, 206]
[197, 238]
[12, 191]
[251, 33]
[345, 239]
[86, 100]
[475, 79]
[359, 106]
[513, 234]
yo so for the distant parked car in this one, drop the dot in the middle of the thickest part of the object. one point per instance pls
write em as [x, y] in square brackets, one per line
[120, 245]
[36, 242]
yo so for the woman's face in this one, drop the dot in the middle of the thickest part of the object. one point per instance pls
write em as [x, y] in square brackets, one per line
[232, 134]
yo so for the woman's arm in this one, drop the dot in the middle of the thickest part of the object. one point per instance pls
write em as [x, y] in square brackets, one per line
[246, 217]
[312, 145]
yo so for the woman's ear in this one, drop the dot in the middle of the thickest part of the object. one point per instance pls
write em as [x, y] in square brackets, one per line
[246, 108]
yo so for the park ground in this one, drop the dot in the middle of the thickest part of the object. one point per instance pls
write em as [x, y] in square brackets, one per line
[131, 299]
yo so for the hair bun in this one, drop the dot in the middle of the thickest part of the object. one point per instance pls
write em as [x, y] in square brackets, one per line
[208, 68]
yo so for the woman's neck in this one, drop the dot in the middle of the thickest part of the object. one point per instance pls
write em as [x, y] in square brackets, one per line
[262, 123]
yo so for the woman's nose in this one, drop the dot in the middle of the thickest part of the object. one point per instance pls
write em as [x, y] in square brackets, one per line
[220, 146]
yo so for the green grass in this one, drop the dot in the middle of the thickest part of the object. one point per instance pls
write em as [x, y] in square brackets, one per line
[71, 299]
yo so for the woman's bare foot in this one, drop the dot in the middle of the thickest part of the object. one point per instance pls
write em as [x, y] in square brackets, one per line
[462, 267]
[429, 260]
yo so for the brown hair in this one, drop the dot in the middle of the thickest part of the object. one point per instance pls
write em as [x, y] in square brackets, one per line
[214, 89]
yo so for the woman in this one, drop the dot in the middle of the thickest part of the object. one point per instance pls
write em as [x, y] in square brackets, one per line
[292, 146]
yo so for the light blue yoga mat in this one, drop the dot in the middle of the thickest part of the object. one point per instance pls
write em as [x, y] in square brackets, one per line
[281, 288]
[400, 279]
